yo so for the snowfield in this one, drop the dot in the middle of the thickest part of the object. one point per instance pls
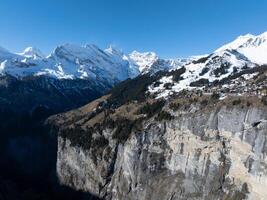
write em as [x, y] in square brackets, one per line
[246, 52]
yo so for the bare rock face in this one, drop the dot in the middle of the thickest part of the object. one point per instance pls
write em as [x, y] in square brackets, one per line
[216, 154]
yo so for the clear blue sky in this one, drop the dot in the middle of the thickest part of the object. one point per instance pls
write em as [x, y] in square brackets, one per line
[171, 28]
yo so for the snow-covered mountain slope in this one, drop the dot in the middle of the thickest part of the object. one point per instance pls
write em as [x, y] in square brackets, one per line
[243, 54]
[89, 62]
[201, 72]
[253, 47]
[70, 61]
[239, 41]
[32, 52]
[143, 60]
[149, 62]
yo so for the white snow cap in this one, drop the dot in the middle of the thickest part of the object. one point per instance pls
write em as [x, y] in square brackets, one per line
[115, 51]
[32, 52]
[251, 46]
[89, 61]
[143, 60]
[239, 41]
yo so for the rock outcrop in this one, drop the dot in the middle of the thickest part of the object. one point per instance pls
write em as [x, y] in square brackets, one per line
[218, 152]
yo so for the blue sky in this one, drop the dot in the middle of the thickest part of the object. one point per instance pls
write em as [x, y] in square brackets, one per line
[171, 28]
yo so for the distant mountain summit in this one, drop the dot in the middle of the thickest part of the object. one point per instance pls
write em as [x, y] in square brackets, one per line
[251, 46]
[32, 52]
[69, 61]
[241, 56]
[150, 62]
[143, 60]
[101, 69]
[69, 77]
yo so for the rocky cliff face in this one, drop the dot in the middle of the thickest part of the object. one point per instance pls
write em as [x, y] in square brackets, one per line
[210, 152]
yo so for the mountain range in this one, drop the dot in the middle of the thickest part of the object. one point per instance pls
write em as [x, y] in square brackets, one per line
[193, 132]
[191, 128]
[78, 74]
[70, 61]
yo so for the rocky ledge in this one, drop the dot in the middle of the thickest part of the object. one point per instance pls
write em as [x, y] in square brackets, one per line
[204, 148]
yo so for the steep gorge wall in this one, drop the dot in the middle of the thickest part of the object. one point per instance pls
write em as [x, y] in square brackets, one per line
[216, 154]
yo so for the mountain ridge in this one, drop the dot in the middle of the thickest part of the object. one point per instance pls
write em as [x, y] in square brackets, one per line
[176, 128]
[70, 61]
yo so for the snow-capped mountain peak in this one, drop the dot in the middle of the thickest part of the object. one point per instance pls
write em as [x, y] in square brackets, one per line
[92, 49]
[143, 60]
[256, 41]
[69, 50]
[264, 34]
[114, 51]
[32, 52]
[91, 62]
[239, 41]
[253, 47]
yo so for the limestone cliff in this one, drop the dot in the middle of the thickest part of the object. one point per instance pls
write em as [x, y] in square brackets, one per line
[199, 151]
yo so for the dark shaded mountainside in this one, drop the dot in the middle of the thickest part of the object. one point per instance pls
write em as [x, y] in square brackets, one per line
[38, 97]
[27, 149]
[206, 143]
